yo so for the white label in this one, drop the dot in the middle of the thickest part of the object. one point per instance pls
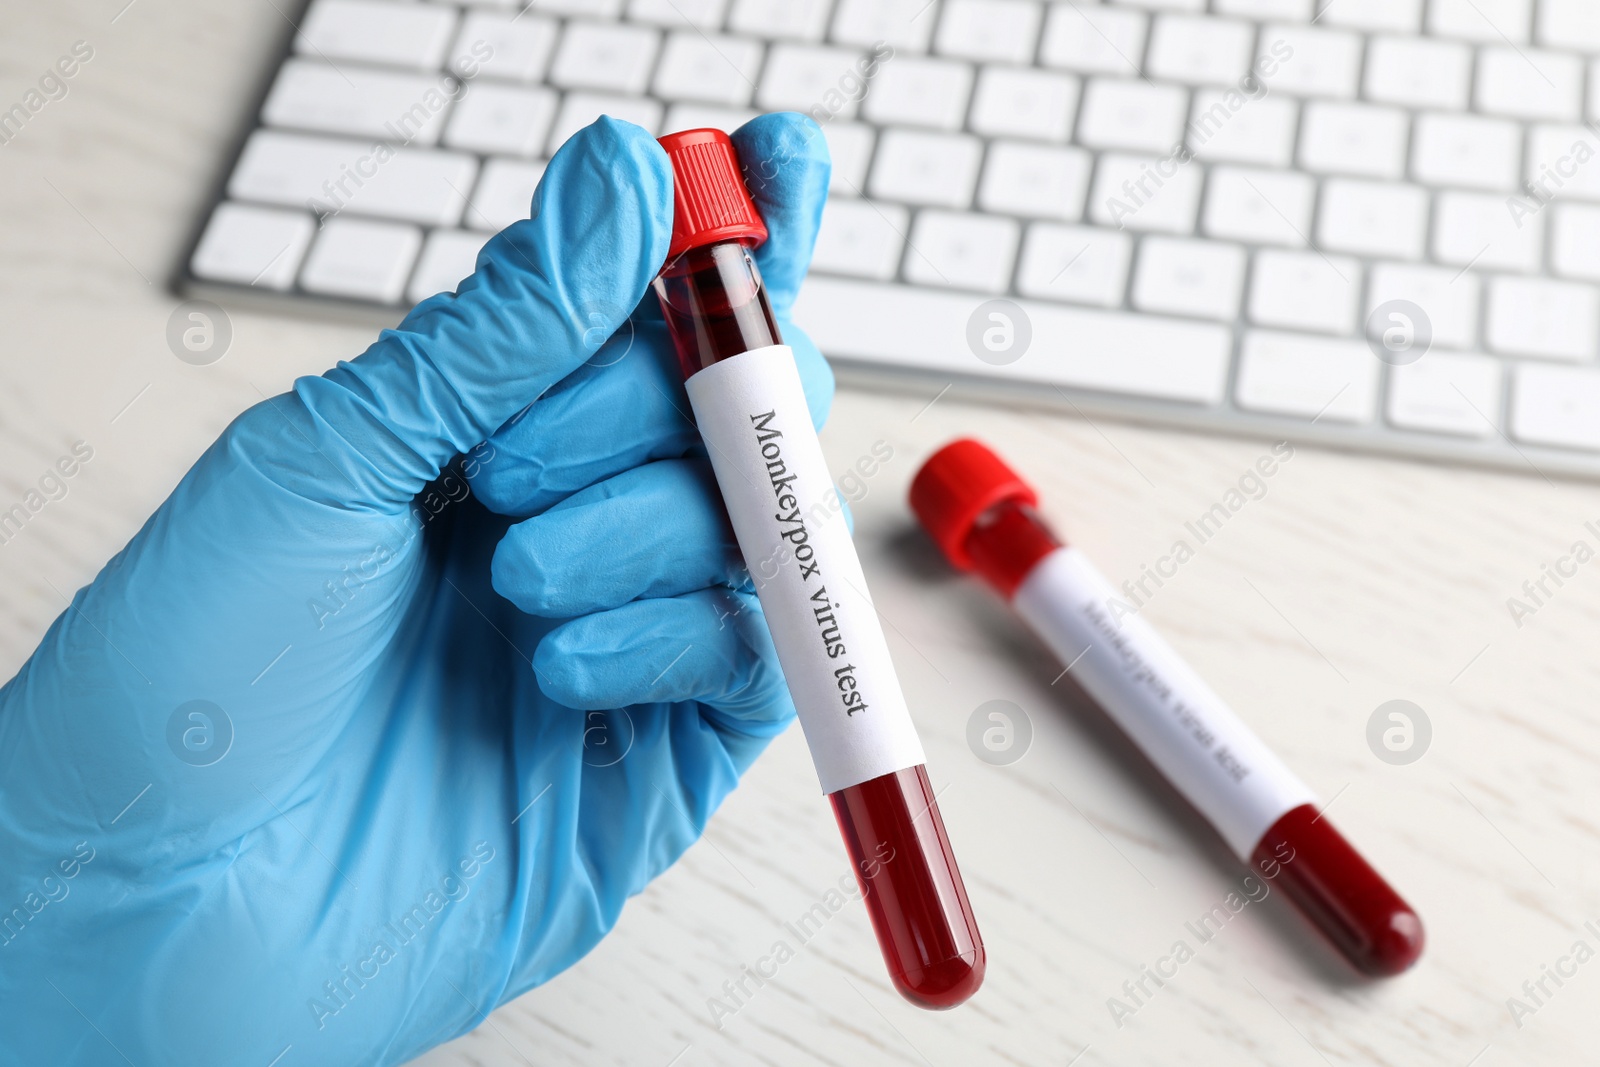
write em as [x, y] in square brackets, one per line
[1186, 730]
[752, 413]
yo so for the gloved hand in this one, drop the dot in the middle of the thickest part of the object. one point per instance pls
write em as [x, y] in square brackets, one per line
[465, 622]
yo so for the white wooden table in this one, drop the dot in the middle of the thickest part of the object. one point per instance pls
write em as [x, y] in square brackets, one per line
[1352, 582]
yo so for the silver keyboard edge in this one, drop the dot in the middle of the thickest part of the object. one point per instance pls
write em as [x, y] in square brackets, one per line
[1226, 419]
[1229, 421]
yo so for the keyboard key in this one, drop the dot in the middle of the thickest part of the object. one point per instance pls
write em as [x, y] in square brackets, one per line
[1077, 263]
[377, 31]
[1570, 24]
[330, 176]
[517, 46]
[1553, 405]
[257, 246]
[1199, 50]
[1305, 290]
[1315, 377]
[581, 109]
[932, 169]
[850, 146]
[914, 91]
[1131, 192]
[962, 251]
[1448, 297]
[703, 14]
[705, 117]
[1016, 102]
[1541, 317]
[1575, 241]
[1125, 113]
[1446, 392]
[1167, 5]
[1106, 351]
[1035, 180]
[597, 9]
[1187, 277]
[794, 20]
[1404, 16]
[1093, 39]
[1472, 228]
[1261, 206]
[1480, 20]
[1415, 72]
[502, 120]
[448, 257]
[1287, 10]
[861, 239]
[1466, 151]
[310, 95]
[1001, 30]
[906, 25]
[504, 194]
[1373, 218]
[361, 259]
[1228, 127]
[710, 69]
[1562, 162]
[1529, 84]
[1358, 139]
[596, 55]
[1307, 61]
[801, 78]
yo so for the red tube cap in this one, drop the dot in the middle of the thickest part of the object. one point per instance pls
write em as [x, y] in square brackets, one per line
[709, 200]
[957, 484]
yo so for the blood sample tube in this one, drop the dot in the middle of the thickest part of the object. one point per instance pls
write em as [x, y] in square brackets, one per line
[982, 515]
[751, 411]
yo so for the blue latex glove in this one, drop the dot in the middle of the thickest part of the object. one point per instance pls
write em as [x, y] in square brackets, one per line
[465, 726]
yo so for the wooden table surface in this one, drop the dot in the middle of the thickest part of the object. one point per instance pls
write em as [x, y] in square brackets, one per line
[1351, 582]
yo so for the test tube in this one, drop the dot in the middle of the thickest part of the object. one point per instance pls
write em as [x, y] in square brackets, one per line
[751, 410]
[981, 513]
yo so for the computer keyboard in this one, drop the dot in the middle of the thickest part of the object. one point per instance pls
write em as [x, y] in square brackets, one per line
[1369, 223]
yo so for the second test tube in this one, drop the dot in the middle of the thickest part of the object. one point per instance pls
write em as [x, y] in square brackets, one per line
[982, 515]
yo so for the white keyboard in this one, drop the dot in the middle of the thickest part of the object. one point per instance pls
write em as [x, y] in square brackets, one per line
[1193, 213]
